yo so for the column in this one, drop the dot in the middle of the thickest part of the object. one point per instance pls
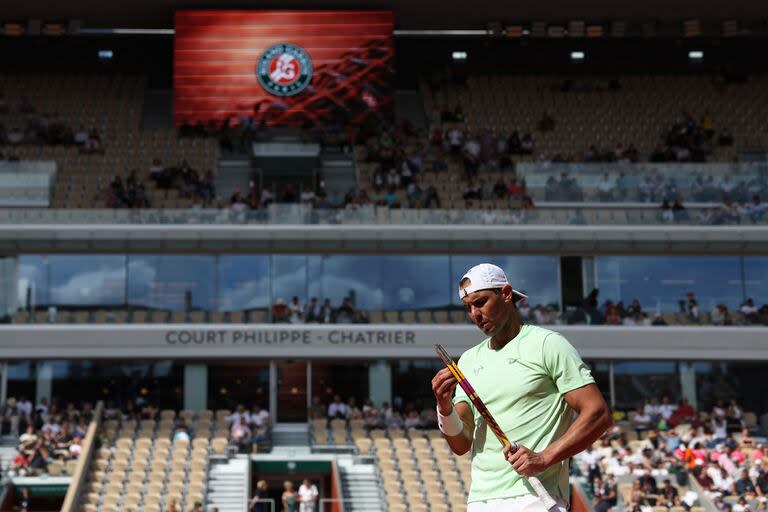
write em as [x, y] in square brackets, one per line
[380, 382]
[44, 381]
[688, 384]
[195, 386]
[3, 382]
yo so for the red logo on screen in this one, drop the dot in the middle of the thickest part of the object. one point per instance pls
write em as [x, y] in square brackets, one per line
[284, 69]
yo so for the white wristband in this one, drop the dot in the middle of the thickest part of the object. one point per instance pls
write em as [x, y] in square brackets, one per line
[450, 425]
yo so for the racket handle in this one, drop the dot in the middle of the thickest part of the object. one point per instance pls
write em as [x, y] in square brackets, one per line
[542, 493]
[538, 488]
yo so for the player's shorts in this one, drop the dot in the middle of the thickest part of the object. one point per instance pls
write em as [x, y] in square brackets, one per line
[527, 503]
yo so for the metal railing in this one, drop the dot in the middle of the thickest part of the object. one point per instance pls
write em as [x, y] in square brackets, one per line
[296, 214]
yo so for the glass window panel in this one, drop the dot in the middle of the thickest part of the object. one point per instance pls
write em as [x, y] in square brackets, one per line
[719, 380]
[659, 282]
[756, 279]
[412, 383]
[639, 380]
[350, 380]
[243, 282]
[233, 384]
[82, 279]
[159, 383]
[162, 281]
[381, 282]
[22, 379]
[536, 276]
[33, 280]
[289, 277]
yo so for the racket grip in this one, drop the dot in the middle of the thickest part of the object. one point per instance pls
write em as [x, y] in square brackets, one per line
[542, 493]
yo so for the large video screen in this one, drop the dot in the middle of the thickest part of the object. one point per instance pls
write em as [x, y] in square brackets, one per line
[283, 68]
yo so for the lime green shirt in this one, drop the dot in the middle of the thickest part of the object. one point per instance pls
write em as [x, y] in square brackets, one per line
[522, 385]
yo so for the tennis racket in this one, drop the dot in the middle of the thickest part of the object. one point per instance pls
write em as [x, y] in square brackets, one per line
[538, 488]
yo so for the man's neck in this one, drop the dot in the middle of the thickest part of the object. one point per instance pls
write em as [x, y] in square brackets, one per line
[507, 333]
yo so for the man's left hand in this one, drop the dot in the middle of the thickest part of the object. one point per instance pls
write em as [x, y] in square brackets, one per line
[524, 461]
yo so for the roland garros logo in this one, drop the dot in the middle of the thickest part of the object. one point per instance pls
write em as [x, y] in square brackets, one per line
[284, 69]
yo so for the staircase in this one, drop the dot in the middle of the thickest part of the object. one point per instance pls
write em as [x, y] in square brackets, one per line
[233, 172]
[7, 453]
[229, 484]
[338, 171]
[409, 107]
[360, 485]
[157, 111]
[290, 439]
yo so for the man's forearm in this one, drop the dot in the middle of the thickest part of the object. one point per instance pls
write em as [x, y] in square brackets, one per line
[587, 428]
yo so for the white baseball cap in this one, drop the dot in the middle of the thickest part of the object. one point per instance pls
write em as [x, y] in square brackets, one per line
[486, 276]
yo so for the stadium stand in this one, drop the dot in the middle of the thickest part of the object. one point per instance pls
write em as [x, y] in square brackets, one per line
[89, 125]
[153, 463]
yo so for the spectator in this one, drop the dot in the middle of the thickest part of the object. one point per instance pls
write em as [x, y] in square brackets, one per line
[259, 502]
[721, 316]
[280, 312]
[289, 498]
[756, 209]
[605, 188]
[642, 420]
[337, 408]
[327, 313]
[308, 496]
[296, 311]
[312, 311]
[749, 311]
[605, 494]
[346, 313]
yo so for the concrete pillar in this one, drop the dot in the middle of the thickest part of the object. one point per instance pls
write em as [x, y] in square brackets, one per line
[380, 382]
[688, 384]
[195, 386]
[44, 381]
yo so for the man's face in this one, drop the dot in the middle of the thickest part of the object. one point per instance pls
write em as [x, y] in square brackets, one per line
[488, 310]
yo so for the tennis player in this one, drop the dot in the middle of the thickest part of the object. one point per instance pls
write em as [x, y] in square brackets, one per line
[533, 381]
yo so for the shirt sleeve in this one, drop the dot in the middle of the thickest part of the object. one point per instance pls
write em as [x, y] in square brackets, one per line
[564, 364]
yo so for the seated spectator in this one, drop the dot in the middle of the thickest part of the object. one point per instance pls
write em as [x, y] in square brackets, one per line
[721, 316]
[337, 408]
[280, 312]
[346, 313]
[296, 311]
[667, 215]
[93, 144]
[354, 412]
[81, 136]
[642, 421]
[605, 189]
[749, 311]
[241, 433]
[756, 209]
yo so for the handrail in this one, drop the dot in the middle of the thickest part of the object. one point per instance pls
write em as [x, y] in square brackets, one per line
[336, 493]
[264, 500]
[72, 498]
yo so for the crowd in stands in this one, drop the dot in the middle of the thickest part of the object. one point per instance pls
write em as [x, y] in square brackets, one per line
[619, 313]
[662, 447]
[387, 417]
[48, 436]
[251, 429]
[45, 128]
[182, 177]
[314, 312]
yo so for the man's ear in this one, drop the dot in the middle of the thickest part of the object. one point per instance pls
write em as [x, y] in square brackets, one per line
[506, 292]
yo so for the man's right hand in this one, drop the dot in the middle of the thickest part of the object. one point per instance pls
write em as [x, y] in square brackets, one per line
[443, 384]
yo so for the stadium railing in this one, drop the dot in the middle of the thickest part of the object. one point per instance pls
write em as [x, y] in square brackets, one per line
[72, 498]
[297, 214]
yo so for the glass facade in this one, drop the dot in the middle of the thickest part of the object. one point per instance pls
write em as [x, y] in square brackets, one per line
[238, 383]
[244, 282]
[660, 283]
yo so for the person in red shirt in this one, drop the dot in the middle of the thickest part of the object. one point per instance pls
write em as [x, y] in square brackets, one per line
[685, 413]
